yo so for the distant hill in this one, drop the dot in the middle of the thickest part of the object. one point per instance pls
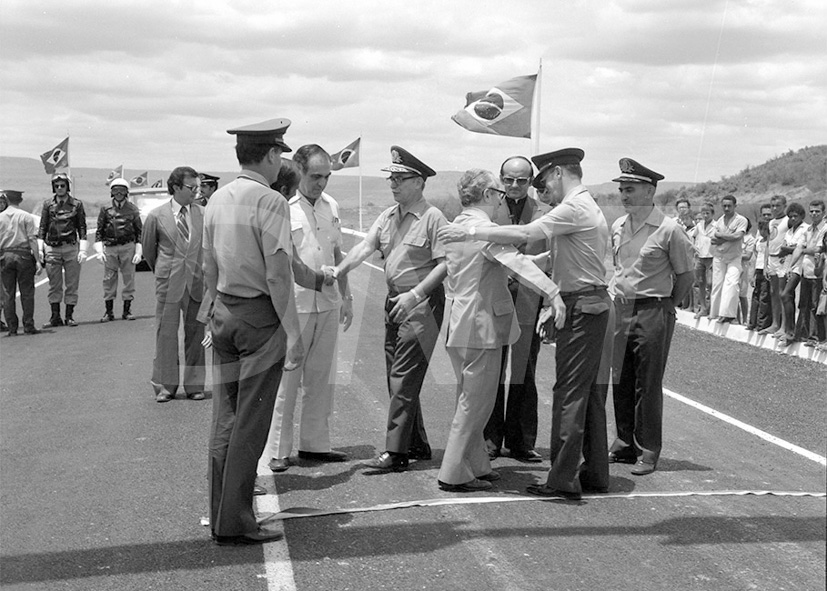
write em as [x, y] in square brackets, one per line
[800, 176]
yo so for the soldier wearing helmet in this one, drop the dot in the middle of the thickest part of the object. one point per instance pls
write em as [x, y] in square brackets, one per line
[117, 242]
[62, 243]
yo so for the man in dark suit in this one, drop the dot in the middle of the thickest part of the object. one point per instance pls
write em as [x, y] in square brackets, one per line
[171, 240]
[514, 425]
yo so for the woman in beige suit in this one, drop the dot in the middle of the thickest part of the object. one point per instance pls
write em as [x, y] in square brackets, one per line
[481, 320]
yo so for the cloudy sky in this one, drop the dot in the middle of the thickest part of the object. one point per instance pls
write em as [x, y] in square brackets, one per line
[695, 89]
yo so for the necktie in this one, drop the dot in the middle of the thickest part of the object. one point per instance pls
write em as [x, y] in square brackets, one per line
[183, 226]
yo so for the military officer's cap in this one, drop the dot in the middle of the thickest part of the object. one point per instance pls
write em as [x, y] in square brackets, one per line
[208, 179]
[635, 172]
[557, 158]
[270, 132]
[12, 195]
[404, 161]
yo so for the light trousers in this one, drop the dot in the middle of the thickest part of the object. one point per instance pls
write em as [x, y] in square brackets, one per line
[316, 378]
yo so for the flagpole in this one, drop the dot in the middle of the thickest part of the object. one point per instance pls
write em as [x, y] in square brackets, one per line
[535, 116]
[360, 183]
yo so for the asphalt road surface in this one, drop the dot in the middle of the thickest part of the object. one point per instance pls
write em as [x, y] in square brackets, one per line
[103, 488]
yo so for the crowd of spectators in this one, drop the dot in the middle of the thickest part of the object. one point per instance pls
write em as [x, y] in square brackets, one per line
[769, 276]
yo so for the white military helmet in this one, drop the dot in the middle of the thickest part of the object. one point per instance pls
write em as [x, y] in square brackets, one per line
[119, 183]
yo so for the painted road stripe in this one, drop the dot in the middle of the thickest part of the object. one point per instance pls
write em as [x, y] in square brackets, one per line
[748, 428]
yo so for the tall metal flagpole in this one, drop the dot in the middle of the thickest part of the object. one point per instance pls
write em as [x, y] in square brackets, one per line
[535, 111]
[360, 184]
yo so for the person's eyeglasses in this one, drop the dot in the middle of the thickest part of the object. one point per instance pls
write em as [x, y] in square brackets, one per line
[61, 186]
[119, 191]
[395, 180]
[500, 193]
[522, 181]
[193, 188]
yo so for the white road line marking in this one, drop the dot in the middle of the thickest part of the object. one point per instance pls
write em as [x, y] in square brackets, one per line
[748, 428]
[277, 566]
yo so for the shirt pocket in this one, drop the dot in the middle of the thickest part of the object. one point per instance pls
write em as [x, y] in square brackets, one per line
[416, 241]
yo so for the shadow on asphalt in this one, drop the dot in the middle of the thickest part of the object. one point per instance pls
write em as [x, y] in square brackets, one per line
[198, 554]
[326, 539]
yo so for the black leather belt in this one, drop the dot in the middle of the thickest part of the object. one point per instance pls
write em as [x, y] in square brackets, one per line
[584, 291]
[641, 302]
[56, 244]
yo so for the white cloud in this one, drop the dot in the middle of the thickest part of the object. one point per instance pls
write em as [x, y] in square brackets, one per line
[691, 87]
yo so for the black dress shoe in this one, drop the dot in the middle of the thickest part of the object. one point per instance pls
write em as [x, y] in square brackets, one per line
[475, 485]
[32, 330]
[421, 453]
[279, 464]
[323, 456]
[527, 455]
[389, 462]
[259, 490]
[620, 458]
[260, 536]
[490, 477]
[541, 490]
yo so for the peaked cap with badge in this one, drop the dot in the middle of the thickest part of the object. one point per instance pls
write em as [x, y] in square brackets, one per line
[635, 172]
[404, 161]
[557, 158]
[270, 132]
[208, 179]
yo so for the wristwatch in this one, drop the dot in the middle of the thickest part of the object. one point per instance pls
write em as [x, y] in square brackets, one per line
[473, 231]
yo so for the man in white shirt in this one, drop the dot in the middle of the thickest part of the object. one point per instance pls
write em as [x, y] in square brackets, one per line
[760, 312]
[701, 236]
[727, 244]
[315, 229]
[794, 238]
[808, 328]
[775, 260]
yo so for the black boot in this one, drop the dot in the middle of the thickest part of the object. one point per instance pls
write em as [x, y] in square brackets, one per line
[55, 320]
[127, 310]
[109, 315]
[70, 309]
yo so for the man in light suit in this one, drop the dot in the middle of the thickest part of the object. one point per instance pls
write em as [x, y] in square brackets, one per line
[481, 320]
[514, 424]
[171, 240]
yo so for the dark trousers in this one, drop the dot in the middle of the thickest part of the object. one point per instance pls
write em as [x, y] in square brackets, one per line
[643, 335]
[513, 422]
[17, 271]
[760, 310]
[165, 366]
[408, 348]
[247, 367]
[578, 412]
[808, 326]
[702, 285]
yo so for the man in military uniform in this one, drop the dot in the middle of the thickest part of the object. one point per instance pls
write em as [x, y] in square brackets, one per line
[209, 185]
[579, 235]
[254, 328]
[406, 235]
[653, 273]
[63, 248]
[117, 242]
[515, 424]
[18, 261]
